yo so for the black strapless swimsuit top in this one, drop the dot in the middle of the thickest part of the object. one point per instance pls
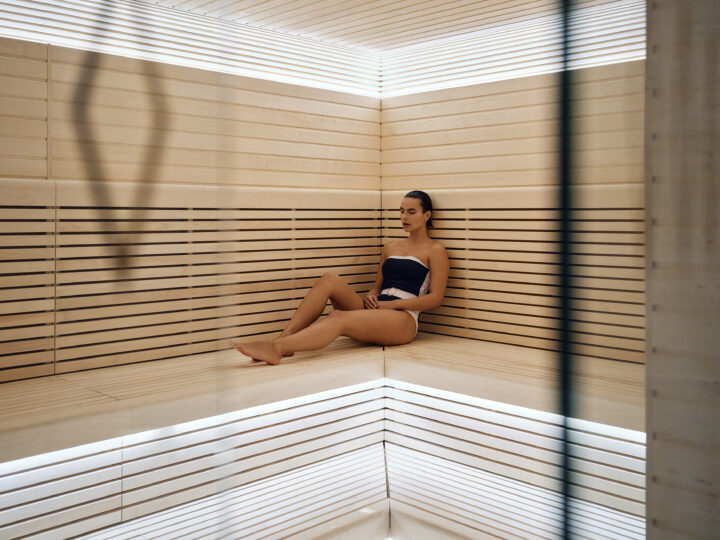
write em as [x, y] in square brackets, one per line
[405, 273]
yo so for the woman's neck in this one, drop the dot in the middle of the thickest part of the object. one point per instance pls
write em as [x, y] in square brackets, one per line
[418, 236]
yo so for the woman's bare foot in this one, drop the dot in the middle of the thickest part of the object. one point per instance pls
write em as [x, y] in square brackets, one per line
[285, 354]
[267, 351]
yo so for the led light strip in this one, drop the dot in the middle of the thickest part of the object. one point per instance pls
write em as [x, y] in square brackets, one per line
[149, 32]
[604, 33]
[135, 480]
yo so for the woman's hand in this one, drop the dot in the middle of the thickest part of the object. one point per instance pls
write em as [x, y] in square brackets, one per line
[370, 301]
[385, 304]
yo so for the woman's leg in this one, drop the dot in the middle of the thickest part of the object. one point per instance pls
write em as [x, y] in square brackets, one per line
[330, 286]
[377, 326]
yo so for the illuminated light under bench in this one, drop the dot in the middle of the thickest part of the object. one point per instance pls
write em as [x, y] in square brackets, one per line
[443, 438]
[88, 450]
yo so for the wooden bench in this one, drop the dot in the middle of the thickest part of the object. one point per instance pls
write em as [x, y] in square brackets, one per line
[93, 449]
[473, 442]
[180, 433]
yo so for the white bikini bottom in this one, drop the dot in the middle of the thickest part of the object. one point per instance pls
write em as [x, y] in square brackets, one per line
[402, 295]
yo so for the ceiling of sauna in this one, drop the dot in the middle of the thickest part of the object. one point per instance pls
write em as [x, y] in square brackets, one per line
[372, 25]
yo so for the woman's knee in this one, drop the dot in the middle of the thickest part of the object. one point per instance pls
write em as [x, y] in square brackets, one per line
[331, 281]
[338, 319]
[328, 278]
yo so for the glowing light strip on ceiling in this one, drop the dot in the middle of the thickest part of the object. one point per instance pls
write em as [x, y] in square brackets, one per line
[145, 31]
[605, 32]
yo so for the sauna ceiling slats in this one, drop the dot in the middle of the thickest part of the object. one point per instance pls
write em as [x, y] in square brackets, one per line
[372, 49]
[378, 25]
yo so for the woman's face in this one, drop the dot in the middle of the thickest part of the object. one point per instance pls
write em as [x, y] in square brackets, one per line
[412, 215]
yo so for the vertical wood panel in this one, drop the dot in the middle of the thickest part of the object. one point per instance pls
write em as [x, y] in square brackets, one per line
[683, 199]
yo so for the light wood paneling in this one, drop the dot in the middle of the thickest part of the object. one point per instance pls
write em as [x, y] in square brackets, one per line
[336, 494]
[120, 119]
[27, 278]
[330, 442]
[683, 201]
[435, 497]
[194, 267]
[504, 252]
[23, 109]
[142, 30]
[504, 133]
[608, 393]
[509, 443]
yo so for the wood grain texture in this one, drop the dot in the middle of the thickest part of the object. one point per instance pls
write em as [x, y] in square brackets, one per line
[683, 307]
[176, 272]
[23, 109]
[120, 119]
[504, 133]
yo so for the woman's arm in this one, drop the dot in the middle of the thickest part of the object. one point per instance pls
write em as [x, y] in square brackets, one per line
[370, 301]
[439, 269]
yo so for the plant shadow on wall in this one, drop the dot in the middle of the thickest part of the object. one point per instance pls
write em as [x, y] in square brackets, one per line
[120, 238]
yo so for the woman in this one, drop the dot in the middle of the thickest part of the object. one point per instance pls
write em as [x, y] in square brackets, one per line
[412, 278]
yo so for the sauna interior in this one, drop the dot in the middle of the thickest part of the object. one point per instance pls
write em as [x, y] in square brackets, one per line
[175, 174]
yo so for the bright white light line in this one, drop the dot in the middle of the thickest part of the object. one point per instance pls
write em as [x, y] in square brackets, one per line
[608, 33]
[118, 442]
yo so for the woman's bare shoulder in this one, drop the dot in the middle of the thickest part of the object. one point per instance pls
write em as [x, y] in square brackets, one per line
[392, 246]
[436, 252]
[437, 247]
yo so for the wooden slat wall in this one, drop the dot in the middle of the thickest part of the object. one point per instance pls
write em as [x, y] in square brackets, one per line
[496, 469]
[504, 254]
[338, 493]
[197, 266]
[23, 109]
[331, 443]
[505, 133]
[485, 152]
[141, 275]
[179, 275]
[27, 278]
[120, 119]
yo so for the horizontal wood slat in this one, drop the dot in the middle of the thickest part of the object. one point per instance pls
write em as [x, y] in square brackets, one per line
[519, 445]
[227, 276]
[504, 249]
[204, 128]
[316, 447]
[27, 278]
[504, 133]
[87, 286]
[23, 109]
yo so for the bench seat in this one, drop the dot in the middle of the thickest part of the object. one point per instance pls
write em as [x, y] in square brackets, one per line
[606, 392]
[420, 428]
[61, 411]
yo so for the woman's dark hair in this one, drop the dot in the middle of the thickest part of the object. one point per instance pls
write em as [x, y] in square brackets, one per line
[425, 202]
